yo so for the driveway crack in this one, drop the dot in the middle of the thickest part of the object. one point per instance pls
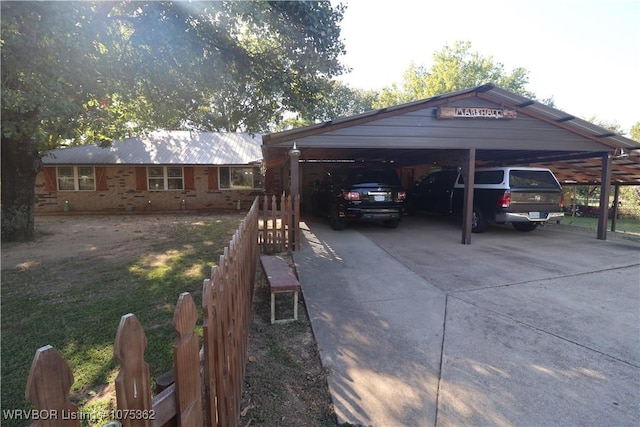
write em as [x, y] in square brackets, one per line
[526, 282]
[543, 331]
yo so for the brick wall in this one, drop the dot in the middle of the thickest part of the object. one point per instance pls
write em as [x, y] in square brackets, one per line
[121, 195]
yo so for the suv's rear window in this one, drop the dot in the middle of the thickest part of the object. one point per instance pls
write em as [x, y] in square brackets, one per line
[531, 179]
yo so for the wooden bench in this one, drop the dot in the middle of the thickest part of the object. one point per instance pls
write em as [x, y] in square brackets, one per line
[281, 279]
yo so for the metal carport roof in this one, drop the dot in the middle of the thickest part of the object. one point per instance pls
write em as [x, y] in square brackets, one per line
[411, 134]
[479, 126]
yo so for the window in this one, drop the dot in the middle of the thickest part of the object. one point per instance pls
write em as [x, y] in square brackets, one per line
[486, 177]
[240, 177]
[165, 178]
[489, 177]
[76, 178]
[532, 179]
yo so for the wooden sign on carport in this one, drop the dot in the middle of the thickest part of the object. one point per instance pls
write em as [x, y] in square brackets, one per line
[475, 113]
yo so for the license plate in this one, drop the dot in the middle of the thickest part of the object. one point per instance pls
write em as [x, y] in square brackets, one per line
[379, 198]
[534, 215]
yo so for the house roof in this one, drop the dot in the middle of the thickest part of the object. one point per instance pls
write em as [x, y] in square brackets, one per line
[165, 147]
[412, 134]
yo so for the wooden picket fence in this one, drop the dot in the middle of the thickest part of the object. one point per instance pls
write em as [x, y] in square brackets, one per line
[279, 224]
[208, 380]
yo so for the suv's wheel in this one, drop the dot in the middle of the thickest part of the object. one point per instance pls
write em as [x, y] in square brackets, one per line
[391, 223]
[337, 222]
[524, 226]
[479, 223]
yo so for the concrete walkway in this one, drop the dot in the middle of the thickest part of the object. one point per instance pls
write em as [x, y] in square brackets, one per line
[538, 328]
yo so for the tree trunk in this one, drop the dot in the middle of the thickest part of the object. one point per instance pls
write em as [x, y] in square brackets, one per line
[20, 164]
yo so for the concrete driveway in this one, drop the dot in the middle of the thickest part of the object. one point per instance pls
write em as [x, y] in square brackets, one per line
[526, 329]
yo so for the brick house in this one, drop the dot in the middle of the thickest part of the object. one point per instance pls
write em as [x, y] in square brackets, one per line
[163, 171]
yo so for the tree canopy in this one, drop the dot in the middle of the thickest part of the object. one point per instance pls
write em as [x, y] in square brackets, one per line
[339, 100]
[454, 68]
[208, 65]
[635, 132]
[95, 71]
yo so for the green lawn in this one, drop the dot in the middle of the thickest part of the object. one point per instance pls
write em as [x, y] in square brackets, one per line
[631, 226]
[76, 305]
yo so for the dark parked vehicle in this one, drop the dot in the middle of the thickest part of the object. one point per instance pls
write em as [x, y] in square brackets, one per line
[359, 194]
[522, 196]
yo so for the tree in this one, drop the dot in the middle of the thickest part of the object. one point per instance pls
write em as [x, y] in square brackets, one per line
[454, 68]
[613, 126]
[341, 101]
[630, 194]
[79, 72]
[635, 132]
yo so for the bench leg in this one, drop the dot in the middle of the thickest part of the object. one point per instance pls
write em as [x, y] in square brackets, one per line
[273, 307]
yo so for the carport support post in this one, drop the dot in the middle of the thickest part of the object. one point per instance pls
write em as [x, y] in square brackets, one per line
[295, 171]
[294, 239]
[605, 187]
[469, 172]
[614, 211]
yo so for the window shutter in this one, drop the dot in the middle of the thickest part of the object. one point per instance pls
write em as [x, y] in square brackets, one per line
[141, 178]
[50, 178]
[213, 178]
[189, 178]
[101, 178]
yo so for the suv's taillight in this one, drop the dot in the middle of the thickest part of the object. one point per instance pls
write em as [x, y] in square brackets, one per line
[401, 195]
[351, 195]
[562, 201]
[505, 200]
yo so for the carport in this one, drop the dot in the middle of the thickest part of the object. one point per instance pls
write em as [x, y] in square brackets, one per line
[481, 126]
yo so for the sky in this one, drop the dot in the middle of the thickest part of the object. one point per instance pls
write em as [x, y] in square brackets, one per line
[583, 53]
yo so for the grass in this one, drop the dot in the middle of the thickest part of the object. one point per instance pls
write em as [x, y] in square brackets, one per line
[76, 306]
[631, 226]
[285, 383]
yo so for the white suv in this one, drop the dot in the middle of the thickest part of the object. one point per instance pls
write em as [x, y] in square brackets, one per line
[522, 196]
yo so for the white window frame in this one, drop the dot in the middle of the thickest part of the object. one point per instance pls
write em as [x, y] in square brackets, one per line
[77, 178]
[227, 183]
[165, 178]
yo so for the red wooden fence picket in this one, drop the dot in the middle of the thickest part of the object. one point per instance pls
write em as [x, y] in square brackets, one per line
[133, 388]
[186, 358]
[50, 380]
